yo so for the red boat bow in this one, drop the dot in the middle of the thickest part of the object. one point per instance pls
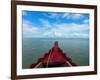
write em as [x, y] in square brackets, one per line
[54, 58]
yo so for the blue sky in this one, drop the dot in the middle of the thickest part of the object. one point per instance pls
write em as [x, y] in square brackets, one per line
[55, 24]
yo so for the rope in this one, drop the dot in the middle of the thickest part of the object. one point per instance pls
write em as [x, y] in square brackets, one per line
[69, 63]
[49, 58]
[38, 65]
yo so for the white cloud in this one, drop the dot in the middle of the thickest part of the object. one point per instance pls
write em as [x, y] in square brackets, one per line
[30, 30]
[70, 30]
[62, 30]
[86, 21]
[45, 23]
[80, 35]
[27, 26]
[77, 16]
[67, 31]
[66, 15]
[73, 15]
[72, 27]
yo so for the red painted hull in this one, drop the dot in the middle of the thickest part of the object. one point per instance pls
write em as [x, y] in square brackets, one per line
[55, 57]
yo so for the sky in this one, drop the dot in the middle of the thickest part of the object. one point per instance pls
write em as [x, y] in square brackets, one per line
[55, 24]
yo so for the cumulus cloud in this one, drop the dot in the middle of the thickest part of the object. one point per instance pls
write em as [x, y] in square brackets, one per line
[77, 16]
[55, 24]
[45, 23]
[29, 27]
[73, 15]
[70, 30]
[66, 15]
[62, 30]
[29, 30]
